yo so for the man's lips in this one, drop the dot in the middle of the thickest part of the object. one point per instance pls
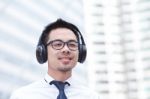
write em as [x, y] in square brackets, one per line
[65, 58]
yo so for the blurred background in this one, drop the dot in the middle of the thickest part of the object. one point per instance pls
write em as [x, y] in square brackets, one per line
[117, 34]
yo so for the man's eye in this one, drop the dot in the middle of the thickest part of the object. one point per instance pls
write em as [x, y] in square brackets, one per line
[58, 44]
[72, 45]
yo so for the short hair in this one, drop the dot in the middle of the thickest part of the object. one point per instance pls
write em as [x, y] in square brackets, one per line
[59, 23]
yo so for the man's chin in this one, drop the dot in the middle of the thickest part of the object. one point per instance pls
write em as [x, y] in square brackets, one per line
[65, 69]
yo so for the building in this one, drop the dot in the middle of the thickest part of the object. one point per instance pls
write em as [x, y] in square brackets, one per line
[119, 37]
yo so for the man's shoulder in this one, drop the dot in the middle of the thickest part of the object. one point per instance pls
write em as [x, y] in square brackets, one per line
[33, 85]
[83, 88]
[86, 91]
[27, 89]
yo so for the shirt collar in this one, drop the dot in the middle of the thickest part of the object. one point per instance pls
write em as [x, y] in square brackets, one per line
[48, 78]
[73, 80]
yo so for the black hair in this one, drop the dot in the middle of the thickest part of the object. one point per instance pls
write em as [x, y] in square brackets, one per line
[59, 23]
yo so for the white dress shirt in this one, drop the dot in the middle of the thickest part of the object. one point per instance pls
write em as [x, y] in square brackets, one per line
[43, 90]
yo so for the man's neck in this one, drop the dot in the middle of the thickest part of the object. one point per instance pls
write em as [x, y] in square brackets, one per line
[60, 76]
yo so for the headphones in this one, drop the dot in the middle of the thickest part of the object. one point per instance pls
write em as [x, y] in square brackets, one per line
[41, 49]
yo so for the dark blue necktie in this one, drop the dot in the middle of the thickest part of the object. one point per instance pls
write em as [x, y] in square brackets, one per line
[60, 86]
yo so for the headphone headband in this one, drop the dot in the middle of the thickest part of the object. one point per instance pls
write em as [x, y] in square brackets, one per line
[41, 50]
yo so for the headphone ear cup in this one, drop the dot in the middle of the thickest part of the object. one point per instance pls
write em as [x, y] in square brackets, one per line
[41, 54]
[82, 53]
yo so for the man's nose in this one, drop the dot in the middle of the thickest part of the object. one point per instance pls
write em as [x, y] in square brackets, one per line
[66, 49]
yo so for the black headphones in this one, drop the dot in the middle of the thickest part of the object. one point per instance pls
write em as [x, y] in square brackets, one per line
[41, 50]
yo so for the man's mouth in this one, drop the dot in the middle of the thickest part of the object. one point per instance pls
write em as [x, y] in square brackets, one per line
[65, 59]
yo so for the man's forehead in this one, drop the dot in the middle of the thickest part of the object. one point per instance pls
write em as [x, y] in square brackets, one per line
[62, 33]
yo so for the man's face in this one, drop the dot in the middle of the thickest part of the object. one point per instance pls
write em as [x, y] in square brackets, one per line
[62, 59]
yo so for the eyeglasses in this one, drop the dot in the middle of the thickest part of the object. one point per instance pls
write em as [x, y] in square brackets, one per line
[59, 44]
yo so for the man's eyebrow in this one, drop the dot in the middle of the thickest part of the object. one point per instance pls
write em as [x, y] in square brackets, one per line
[62, 40]
[73, 40]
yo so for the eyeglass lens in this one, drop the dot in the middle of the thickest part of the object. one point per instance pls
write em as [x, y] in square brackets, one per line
[59, 44]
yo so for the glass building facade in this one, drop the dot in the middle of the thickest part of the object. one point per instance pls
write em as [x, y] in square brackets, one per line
[119, 39]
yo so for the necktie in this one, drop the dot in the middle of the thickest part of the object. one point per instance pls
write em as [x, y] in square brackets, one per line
[60, 86]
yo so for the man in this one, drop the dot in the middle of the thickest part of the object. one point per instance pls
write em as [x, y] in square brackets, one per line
[62, 44]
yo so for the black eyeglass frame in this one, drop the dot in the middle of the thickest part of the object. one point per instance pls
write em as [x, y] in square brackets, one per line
[64, 43]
